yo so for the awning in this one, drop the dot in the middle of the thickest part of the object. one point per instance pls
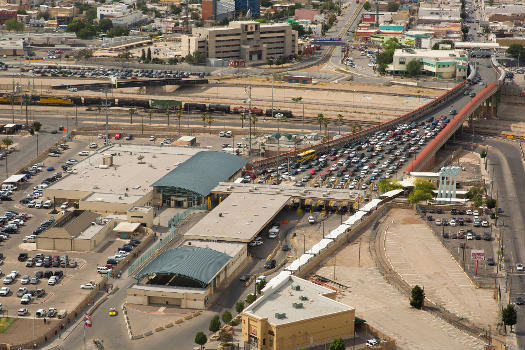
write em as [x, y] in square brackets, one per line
[370, 205]
[391, 194]
[338, 231]
[296, 264]
[13, 179]
[128, 227]
[319, 246]
[355, 218]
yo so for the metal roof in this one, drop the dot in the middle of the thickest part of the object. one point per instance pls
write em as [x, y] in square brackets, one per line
[200, 264]
[202, 172]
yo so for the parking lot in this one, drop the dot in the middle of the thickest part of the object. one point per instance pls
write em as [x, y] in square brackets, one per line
[461, 232]
[79, 268]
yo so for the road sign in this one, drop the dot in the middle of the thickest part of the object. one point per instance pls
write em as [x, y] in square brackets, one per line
[476, 254]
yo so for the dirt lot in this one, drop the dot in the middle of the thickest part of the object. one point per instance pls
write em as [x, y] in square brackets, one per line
[385, 308]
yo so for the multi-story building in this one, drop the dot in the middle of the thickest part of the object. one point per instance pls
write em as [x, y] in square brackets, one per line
[121, 15]
[6, 14]
[253, 6]
[217, 10]
[438, 63]
[250, 41]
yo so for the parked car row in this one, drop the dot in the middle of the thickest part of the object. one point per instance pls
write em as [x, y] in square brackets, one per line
[10, 223]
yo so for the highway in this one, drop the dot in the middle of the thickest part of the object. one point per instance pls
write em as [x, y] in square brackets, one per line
[505, 165]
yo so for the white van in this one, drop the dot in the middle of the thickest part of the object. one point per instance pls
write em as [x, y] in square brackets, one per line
[47, 204]
[8, 187]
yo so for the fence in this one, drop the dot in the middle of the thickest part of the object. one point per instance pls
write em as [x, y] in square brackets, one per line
[156, 247]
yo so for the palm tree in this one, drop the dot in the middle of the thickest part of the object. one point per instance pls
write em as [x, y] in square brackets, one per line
[254, 121]
[339, 121]
[204, 116]
[209, 120]
[150, 112]
[326, 121]
[131, 111]
[320, 118]
[12, 102]
[359, 127]
[7, 142]
[243, 118]
[354, 128]
[179, 116]
[168, 112]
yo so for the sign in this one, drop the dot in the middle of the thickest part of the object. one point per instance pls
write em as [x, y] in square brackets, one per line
[368, 17]
[327, 40]
[253, 331]
[477, 254]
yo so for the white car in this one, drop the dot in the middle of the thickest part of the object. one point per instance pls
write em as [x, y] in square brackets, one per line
[93, 144]
[452, 222]
[64, 205]
[22, 312]
[311, 219]
[152, 138]
[469, 212]
[25, 279]
[485, 223]
[519, 267]
[30, 239]
[26, 299]
[52, 281]
[371, 342]
[4, 291]
[470, 236]
[88, 286]
[83, 153]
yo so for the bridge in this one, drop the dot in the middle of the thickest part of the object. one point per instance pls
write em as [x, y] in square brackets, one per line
[483, 104]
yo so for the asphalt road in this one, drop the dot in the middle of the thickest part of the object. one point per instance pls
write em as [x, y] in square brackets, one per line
[509, 184]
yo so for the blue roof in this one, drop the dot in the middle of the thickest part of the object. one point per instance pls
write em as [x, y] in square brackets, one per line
[197, 263]
[202, 172]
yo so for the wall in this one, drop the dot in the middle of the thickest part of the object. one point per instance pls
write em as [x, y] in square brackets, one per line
[185, 300]
[143, 217]
[65, 195]
[105, 207]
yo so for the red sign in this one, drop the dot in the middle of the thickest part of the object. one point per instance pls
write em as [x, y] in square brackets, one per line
[253, 331]
[368, 17]
[477, 254]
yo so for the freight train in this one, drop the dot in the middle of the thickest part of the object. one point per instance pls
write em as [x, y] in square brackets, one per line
[141, 103]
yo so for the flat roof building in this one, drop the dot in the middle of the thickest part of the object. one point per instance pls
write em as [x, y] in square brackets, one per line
[239, 217]
[250, 41]
[295, 313]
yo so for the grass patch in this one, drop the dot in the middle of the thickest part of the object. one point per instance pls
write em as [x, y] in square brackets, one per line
[5, 323]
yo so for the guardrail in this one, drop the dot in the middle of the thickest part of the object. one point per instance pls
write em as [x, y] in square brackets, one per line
[408, 117]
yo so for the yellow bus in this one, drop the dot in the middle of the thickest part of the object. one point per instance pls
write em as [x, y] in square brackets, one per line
[306, 155]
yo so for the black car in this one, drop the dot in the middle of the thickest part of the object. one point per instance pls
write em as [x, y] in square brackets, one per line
[245, 278]
[285, 248]
[446, 235]
[519, 301]
[453, 211]
[486, 236]
[490, 262]
[40, 293]
[270, 264]
[134, 242]
[59, 274]
[39, 274]
[22, 257]
[48, 273]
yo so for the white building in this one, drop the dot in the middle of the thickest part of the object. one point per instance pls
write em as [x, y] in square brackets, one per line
[438, 63]
[121, 15]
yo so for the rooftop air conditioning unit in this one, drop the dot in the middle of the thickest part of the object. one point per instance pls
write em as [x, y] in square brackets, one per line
[297, 305]
[228, 188]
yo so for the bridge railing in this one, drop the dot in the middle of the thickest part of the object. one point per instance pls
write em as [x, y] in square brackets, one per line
[408, 117]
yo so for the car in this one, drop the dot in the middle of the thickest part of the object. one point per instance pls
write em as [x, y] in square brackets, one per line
[41, 313]
[490, 262]
[51, 312]
[112, 311]
[468, 212]
[22, 257]
[438, 222]
[270, 264]
[285, 248]
[26, 299]
[452, 222]
[311, 219]
[34, 280]
[470, 236]
[519, 267]
[245, 277]
[4, 291]
[30, 239]
[88, 286]
[93, 145]
[25, 279]
[129, 137]
[372, 342]
[22, 312]
[83, 153]
[519, 300]
[52, 281]
[8, 280]
[64, 205]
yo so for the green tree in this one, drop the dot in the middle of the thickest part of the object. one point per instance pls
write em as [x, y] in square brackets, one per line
[83, 54]
[326, 121]
[320, 118]
[414, 68]
[509, 316]
[13, 25]
[243, 118]
[226, 317]
[215, 324]
[143, 56]
[250, 298]
[91, 13]
[179, 116]
[105, 24]
[260, 286]
[131, 112]
[168, 113]
[239, 306]
[393, 7]
[337, 344]
[118, 31]
[490, 202]
[448, 42]
[209, 120]
[483, 153]
[422, 191]
[148, 55]
[204, 117]
[367, 6]
[386, 185]
[6, 141]
[21, 12]
[299, 28]
[37, 126]
[475, 194]
[87, 32]
[200, 339]
[516, 51]
[124, 55]
[340, 119]
[417, 297]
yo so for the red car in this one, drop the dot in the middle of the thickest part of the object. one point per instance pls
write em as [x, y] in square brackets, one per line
[118, 136]
[276, 181]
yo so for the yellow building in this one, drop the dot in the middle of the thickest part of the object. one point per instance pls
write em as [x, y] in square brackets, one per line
[295, 313]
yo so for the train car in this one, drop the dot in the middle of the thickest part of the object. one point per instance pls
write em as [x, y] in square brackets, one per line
[239, 110]
[55, 101]
[94, 101]
[201, 107]
[127, 102]
[285, 113]
[5, 99]
[77, 100]
[212, 108]
[256, 111]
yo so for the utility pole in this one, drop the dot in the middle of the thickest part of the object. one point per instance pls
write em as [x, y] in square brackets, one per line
[106, 141]
[302, 126]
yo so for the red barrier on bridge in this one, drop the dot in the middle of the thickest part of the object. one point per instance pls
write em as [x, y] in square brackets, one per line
[435, 144]
[362, 132]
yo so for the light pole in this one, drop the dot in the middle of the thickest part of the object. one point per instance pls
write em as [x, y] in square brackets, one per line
[278, 137]
[249, 100]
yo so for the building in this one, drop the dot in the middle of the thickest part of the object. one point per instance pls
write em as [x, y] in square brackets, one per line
[118, 177]
[217, 10]
[439, 63]
[248, 8]
[7, 14]
[208, 9]
[293, 314]
[121, 15]
[438, 15]
[12, 47]
[191, 182]
[188, 275]
[306, 14]
[77, 230]
[252, 42]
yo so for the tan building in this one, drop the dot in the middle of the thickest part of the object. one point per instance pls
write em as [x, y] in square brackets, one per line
[295, 313]
[188, 275]
[250, 41]
[77, 230]
[142, 215]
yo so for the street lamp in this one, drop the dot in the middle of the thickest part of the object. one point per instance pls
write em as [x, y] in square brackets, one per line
[278, 137]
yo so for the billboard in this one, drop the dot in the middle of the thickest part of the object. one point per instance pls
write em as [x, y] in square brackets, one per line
[476, 254]
[368, 17]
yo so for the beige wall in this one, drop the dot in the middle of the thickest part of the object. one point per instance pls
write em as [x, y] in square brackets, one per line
[104, 207]
[141, 217]
[65, 195]
[299, 334]
[184, 300]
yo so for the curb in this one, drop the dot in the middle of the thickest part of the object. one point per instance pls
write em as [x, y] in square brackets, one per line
[156, 330]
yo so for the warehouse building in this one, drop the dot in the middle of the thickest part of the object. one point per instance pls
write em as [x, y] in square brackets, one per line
[188, 275]
[295, 313]
[77, 230]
